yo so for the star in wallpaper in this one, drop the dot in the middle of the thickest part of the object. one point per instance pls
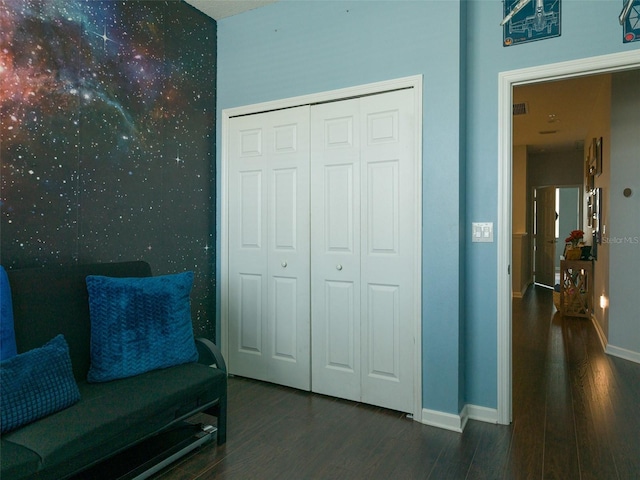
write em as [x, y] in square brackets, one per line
[107, 137]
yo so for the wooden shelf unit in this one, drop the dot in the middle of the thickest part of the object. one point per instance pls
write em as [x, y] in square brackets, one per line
[576, 288]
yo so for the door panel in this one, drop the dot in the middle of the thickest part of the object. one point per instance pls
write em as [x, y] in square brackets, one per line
[250, 327]
[363, 233]
[284, 339]
[284, 188]
[340, 322]
[247, 253]
[338, 218]
[388, 246]
[335, 249]
[269, 319]
[250, 214]
[383, 328]
[545, 236]
[289, 320]
[383, 213]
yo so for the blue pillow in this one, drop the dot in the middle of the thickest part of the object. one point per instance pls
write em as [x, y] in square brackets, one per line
[7, 334]
[36, 383]
[139, 324]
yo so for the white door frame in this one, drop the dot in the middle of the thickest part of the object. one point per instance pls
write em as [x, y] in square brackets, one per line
[615, 62]
[414, 82]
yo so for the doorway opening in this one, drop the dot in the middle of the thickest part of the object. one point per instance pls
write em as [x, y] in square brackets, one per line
[556, 212]
[506, 82]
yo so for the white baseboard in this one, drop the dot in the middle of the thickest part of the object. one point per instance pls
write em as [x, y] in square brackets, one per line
[482, 414]
[520, 294]
[623, 353]
[611, 349]
[456, 423]
[448, 421]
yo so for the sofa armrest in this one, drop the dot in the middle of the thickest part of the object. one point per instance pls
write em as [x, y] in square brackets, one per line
[210, 354]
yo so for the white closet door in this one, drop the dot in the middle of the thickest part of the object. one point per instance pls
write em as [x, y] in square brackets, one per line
[363, 231]
[335, 249]
[269, 304]
[388, 267]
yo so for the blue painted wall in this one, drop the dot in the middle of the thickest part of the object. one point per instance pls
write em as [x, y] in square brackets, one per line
[294, 48]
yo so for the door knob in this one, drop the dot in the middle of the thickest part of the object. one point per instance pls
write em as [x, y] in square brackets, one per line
[284, 264]
[338, 267]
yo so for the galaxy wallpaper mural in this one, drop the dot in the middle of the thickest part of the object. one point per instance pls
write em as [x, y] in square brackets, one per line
[107, 137]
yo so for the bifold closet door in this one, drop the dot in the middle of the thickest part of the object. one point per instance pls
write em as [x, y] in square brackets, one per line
[335, 249]
[363, 234]
[268, 205]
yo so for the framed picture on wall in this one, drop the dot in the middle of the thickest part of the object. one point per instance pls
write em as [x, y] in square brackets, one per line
[530, 21]
[598, 156]
[629, 19]
[591, 178]
[597, 216]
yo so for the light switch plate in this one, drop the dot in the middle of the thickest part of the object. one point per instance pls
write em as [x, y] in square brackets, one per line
[482, 232]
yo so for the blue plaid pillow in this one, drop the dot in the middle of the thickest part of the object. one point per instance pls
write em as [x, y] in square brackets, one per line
[36, 383]
[139, 324]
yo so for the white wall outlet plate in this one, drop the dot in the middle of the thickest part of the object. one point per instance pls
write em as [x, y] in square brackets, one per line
[482, 232]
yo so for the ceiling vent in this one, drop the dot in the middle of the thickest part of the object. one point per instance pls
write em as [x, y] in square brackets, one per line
[520, 108]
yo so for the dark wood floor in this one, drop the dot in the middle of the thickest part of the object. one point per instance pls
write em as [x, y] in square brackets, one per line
[575, 417]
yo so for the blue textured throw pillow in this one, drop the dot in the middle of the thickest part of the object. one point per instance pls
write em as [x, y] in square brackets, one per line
[7, 333]
[36, 383]
[139, 324]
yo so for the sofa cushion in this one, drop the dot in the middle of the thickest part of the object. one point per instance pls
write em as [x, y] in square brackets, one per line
[17, 461]
[112, 415]
[7, 333]
[139, 324]
[54, 299]
[36, 383]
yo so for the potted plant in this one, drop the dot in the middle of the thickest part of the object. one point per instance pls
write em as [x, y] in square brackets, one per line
[574, 244]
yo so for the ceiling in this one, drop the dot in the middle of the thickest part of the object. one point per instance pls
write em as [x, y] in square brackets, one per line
[561, 110]
[218, 9]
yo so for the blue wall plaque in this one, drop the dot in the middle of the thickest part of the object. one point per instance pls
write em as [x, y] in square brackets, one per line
[530, 20]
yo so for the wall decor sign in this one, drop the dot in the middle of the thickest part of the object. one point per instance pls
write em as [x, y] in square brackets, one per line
[630, 21]
[530, 20]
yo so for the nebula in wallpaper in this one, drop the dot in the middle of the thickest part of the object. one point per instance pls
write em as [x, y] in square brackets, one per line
[107, 136]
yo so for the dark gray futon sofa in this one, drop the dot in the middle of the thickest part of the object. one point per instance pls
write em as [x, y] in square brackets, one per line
[111, 417]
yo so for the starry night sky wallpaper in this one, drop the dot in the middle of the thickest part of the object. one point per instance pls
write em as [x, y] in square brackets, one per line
[107, 152]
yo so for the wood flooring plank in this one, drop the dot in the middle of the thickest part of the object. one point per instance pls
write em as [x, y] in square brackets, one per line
[456, 458]
[491, 457]
[418, 453]
[531, 324]
[560, 448]
[593, 444]
[621, 401]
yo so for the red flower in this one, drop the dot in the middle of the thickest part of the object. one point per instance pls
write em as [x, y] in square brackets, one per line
[574, 236]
